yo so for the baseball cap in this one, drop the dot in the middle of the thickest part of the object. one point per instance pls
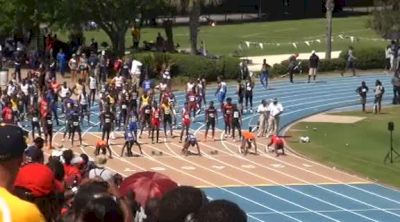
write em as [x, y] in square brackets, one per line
[37, 178]
[12, 141]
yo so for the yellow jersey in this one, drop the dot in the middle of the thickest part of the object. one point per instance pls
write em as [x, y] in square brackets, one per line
[16, 210]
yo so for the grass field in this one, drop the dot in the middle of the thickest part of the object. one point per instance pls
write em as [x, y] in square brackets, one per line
[224, 39]
[368, 143]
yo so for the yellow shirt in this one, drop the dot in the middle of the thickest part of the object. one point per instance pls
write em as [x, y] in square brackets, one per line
[19, 210]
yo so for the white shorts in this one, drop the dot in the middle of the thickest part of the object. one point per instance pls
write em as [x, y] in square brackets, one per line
[312, 71]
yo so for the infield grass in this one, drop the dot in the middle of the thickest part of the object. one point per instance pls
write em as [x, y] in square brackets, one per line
[367, 144]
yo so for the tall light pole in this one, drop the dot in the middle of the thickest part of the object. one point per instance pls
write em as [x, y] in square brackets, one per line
[329, 5]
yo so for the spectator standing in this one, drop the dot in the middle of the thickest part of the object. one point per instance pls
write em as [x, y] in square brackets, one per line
[12, 146]
[264, 76]
[135, 32]
[244, 70]
[275, 110]
[262, 110]
[313, 64]
[62, 62]
[387, 59]
[292, 65]
[394, 52]
[136, 71]
[396, 87]
[379, 91]
[362, 91]
[350, 62]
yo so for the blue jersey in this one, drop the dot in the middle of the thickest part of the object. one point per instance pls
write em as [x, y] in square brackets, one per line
[147, 85]
[129, 136]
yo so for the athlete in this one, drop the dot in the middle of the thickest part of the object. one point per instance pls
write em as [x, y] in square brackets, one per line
[228, 114]
[249, 95]
[64, 93]
[166, 111]
[145, 119]
[248, 140]
[185, 121]
[155, 122]
[83, 106]
[240, 91]
[278, 145]
[130, 139]
[211, 116]
[221, 92]
[107, 119]
[236, 122]
[191, 99]
[102, 147]
[190, 141]
[92, 88]
[75, 120]
[48, 130]
[35, 123]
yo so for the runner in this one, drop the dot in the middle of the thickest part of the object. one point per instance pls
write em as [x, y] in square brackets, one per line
[236, 122]
[102, 147]
[228, 112]
[221, 92]
[166, 111]
[92, 88]
[83, 67]
[240, 91]
[155, 122]
[48, 130]
[191, 99]
[185, 121]
[249, 95]
[73, 67]
[190, 141]
[64, 93]
[248, 141]
[35, 123]
[278, 145]
[211, 116]
[145, 119]
[76, 128]
[123, 112]
[130, 139]
[107, 119]
[83, 106]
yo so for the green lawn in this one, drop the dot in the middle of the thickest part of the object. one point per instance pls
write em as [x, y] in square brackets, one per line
[224, 39]
[368, 143]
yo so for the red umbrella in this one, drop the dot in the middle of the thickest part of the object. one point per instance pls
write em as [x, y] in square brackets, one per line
[146, 186]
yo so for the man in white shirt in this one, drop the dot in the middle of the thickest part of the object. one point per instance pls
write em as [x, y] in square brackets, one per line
[136, 71]
[263, 118]
[100, 171]
[275, 109]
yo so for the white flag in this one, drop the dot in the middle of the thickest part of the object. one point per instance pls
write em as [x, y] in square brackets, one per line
[318, 40]
[352, 38]
[261, 45]
[307, 43]
[247, 44]
[341, 36]
[294, 45]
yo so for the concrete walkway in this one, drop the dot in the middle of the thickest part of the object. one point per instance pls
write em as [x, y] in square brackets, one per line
[256, 61]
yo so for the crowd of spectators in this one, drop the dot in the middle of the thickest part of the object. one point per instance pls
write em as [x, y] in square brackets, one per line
[69, 187]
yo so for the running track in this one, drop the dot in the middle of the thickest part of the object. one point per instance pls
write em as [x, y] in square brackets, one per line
[288, 188]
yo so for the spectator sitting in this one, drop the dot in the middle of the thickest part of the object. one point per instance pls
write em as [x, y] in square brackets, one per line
[221, 211]
[35, 183]
[87, 165]
[181, 204]
[100, 171]
[12, 146]
[34, 153]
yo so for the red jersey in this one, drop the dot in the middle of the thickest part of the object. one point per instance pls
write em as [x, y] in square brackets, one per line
[186, 117]
[228, 109]
[7, 115]
[44, 107]
[156, 113]
[277, 140]
[191, 97]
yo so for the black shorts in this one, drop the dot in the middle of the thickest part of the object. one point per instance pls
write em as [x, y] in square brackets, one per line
[76, 129]
[210, 122]
[167, 119]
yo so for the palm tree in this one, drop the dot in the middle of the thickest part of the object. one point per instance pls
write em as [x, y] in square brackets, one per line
[330, 5]
[193, 8]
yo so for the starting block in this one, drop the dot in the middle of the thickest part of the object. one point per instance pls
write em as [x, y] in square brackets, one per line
[156, 153]
[214, 152]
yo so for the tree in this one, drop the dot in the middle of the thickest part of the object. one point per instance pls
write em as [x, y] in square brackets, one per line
[386, 19]
[114, 17]
[330, 6]
[193, 8]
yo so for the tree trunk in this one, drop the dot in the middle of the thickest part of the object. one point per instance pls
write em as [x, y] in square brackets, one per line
[194, 26]
[118, 42]
[330, 4]
[170, 46]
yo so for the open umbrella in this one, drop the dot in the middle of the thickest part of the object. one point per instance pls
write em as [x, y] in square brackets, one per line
[146, 186]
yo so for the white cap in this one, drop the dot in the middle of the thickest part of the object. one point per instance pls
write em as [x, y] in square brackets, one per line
[313, 52]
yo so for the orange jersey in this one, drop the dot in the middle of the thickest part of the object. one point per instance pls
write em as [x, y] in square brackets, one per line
[248, 135]
[101, 143]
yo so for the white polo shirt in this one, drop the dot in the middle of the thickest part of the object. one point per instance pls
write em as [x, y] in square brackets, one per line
[262, 109]
[274, 109]
[135, 68]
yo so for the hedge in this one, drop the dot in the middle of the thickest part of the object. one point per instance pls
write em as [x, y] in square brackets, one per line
[366, 58]
[191, 66]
